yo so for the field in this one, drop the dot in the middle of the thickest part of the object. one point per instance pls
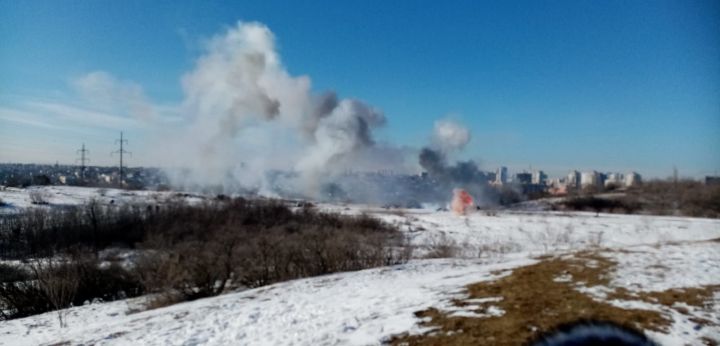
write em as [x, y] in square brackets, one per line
[493, 277]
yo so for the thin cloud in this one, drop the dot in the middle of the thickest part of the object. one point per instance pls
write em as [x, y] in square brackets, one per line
[25, 118]
[83, 117]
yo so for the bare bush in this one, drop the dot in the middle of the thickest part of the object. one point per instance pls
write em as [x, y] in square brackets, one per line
[596, 239]
[22, 298]
[682, 197]
[490, 212]
[598, 205]
[189, 252]
[200, 253]
[442, 247]
[58, 282]
[11, 273]
[54, 284]
[657, 197]
[40, 232]
[38, 196]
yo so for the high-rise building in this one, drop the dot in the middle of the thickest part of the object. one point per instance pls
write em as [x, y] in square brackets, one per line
[592, 178]
[632, 179]
[617, 179]
[523, 178]
[501, 176]
[539, 177]
[573, 179]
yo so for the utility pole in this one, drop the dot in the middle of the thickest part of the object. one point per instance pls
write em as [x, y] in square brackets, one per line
[83, 159]
[122, 151]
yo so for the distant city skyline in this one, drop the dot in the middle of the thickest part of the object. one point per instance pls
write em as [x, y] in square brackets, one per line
[612, 86]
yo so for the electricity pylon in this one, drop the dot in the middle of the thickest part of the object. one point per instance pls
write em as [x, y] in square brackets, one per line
[83, 159]
[121, 151]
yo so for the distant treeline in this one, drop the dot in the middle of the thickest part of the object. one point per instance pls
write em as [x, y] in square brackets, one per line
[656, 197]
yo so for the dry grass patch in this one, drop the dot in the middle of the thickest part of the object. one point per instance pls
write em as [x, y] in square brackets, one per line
[694, 296]
[533, 302]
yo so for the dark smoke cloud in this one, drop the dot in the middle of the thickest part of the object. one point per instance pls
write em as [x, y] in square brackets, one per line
[434, 162]
[449, 137]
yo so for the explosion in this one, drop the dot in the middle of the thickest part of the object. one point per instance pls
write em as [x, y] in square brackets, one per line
[461, 202]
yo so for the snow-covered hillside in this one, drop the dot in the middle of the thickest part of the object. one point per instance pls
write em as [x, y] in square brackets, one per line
[59, 196]
[356, 308]
[537, 233]
[651, 253]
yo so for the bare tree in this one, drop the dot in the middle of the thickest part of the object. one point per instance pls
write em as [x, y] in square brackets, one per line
[38, 197]
[59, 282]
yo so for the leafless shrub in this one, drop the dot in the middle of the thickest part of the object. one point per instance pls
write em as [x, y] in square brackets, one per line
[187, 270]
[21, 298]
[39, 197]
[203, 251]
[596, 239]
[58, 282]
[657, 197]
[41, 232]
[490, 212]
[598, 205]
[442, 247]
[497, 247]
[189, 252]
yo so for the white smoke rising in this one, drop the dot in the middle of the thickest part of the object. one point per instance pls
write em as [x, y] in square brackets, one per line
[346, 129]
[450, 136]
[248, 115]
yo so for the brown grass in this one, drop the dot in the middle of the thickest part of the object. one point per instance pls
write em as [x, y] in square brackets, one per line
[694, 296]
[533, 303]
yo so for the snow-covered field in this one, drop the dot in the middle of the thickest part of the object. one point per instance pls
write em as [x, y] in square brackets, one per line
[367, 307]
[59, 196]
[537, 233]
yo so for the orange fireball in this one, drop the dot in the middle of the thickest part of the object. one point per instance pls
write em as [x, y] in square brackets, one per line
[461, 202]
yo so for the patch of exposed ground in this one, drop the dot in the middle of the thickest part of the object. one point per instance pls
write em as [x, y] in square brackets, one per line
[539, 297]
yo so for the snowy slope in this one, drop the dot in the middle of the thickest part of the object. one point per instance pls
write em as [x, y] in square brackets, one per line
[669, 266]
[356, 308]
[366, 307]
[59, 196]
[537, 233]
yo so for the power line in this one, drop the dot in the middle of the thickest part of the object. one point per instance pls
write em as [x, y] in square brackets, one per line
[83, 160]
[121, 151]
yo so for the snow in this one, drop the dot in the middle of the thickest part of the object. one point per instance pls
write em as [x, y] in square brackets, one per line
[653, 268]
[60, 196]
[654, 253]
[357, 308]
[661, 267]
[538, 233]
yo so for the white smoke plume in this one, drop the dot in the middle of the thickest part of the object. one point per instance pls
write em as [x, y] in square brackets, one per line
[450, 136]
[248, 115]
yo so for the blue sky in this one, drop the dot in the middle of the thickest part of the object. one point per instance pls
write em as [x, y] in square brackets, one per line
[556, 85]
